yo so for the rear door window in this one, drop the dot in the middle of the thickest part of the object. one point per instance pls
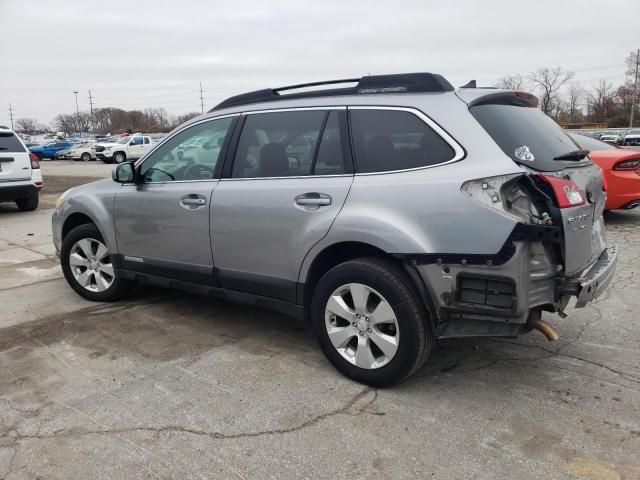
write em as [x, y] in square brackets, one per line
[387, 140]
[278, 144]
[527, 135]
[10, 143]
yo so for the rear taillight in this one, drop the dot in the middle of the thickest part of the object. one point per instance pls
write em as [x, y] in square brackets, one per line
[632, 164]
[35, 163]
[566, 191]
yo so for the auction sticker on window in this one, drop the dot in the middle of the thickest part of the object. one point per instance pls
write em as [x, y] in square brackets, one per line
[523, 153]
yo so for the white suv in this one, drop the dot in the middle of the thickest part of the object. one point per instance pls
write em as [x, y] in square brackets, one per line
[20, 175]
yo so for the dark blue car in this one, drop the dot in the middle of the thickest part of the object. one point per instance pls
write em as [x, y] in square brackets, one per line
[49, 150]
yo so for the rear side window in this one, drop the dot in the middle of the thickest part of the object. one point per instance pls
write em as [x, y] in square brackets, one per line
[386, 140]
[278, 144]
[10, 143]
[527, 135]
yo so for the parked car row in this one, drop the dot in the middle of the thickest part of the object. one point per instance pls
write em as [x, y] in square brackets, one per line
[109, 149]
[628, 138]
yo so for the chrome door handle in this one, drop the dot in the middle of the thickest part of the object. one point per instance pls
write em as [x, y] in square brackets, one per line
[313, 199]
[193, 201]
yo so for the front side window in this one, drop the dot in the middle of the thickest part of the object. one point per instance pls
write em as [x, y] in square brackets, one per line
[387, 140]
[192, 154]
[136, 141]
[278, 144]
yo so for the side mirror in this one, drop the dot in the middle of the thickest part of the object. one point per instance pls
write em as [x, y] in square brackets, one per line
[124, 173]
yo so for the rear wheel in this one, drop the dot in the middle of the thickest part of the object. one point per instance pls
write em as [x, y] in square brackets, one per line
[87, 265]
[370, 322]
[85, 157]
[28, 202]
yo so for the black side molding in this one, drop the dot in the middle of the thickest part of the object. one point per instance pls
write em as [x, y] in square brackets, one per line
[521, 232]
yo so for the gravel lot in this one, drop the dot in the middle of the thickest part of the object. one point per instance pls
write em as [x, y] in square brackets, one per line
[168, 385]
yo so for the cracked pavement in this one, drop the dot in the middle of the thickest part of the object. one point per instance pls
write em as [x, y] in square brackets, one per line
[169, 385]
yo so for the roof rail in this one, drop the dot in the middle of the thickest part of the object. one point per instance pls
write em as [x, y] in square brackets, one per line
[399, 83]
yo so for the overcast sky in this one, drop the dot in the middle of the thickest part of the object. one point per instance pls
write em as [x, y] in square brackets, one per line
[154, 54]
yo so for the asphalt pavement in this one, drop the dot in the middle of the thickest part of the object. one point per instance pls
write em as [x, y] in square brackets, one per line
[170, 385]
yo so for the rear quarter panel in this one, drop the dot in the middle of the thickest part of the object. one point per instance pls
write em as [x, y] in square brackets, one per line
[424, 211]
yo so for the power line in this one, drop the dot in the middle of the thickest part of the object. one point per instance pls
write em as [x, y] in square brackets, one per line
[201, 99]
[91, 108]
[635, 90]
[11, 115]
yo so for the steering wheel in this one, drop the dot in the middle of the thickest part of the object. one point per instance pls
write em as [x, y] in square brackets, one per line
[148, 173]
[202, 172]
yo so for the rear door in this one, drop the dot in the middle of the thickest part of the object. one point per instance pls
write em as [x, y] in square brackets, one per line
[533, 140]
[14, 158]
[290, 176]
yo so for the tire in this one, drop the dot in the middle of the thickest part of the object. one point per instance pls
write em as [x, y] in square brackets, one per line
[101, 283]
[85, 157]
[28, 202]
[409, 329]
[119, 157]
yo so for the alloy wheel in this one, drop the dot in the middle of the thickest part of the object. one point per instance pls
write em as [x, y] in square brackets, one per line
[362, 326]
[91, 265]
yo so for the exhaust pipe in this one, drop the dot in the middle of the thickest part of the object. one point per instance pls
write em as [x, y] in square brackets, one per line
[545, 328]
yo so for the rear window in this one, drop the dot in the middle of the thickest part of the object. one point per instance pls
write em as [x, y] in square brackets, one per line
[10, 143]
[527, 135]
[387, 140]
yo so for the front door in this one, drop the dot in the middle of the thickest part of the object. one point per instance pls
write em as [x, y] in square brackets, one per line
[290, 177]
[162, 221]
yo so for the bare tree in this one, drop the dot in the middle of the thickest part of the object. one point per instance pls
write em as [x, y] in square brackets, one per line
[27, 125]
[512, 82]
[549, 81]
[575, 95]
[601, 101]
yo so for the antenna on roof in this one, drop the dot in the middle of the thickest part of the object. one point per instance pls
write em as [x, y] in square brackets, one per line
[471, 84]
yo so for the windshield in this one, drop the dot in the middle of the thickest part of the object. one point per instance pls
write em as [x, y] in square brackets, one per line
[589, 143]
[123, 140]
[527, 135]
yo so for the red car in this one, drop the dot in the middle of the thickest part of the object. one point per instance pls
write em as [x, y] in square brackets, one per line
[621, 169]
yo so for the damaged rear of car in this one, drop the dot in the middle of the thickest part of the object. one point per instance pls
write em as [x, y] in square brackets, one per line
[557, 249]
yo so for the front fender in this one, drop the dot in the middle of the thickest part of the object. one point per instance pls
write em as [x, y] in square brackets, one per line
[95, 200]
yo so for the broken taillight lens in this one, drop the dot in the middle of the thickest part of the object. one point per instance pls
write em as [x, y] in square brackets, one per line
[35, 163]
[566, 191]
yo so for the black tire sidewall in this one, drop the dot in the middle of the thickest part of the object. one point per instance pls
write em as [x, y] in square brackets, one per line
[115, 157]
[114, 292]
[411, 322]
[83, 157]
[29, 203]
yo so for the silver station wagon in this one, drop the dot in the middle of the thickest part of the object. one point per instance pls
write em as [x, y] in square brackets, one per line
[388, 210]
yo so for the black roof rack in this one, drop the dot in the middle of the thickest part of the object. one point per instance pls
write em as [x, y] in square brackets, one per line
[399, 83]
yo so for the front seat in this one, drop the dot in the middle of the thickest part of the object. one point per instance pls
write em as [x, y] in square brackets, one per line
[273, 161]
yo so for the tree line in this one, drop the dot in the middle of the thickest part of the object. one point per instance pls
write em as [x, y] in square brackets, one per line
[108, 120]
[570, 102]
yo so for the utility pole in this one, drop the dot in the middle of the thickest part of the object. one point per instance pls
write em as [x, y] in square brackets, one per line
[635, 90]
[202, 98]
[11, 115]
[91, 109]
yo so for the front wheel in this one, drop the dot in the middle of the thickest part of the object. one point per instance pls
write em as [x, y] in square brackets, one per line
[87, 265]
[119, 157]
[370, 322]
[85, 157]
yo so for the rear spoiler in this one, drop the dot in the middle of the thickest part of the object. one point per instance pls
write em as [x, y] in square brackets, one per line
[518, 99]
